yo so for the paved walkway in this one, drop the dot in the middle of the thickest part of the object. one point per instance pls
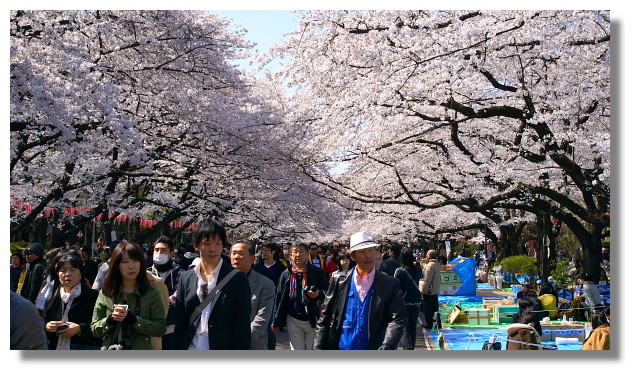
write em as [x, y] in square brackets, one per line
[282, 340]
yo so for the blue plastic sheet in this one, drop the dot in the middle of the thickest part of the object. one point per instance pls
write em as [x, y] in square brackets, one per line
[473, 339]
[465, 269]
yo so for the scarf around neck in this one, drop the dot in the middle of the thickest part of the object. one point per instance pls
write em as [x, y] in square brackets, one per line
[293, 281]
[64, 343]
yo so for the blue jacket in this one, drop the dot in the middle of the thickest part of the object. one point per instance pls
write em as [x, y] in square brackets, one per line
[386, 309]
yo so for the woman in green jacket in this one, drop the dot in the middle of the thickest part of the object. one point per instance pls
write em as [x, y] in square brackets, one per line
[129, 310]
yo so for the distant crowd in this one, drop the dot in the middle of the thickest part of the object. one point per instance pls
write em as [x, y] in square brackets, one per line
[216, 295]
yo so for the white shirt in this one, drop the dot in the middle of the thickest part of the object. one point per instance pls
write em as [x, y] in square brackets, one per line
[201, 340]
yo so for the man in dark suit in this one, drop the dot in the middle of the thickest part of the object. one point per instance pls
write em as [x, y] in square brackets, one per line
[364, 309]
[228, 324]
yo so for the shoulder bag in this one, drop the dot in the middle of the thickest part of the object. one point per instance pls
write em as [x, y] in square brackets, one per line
[212, 297]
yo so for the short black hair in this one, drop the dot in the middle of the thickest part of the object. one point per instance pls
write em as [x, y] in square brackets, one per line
[524, 303]
[396, 249]
[166, 240]
[443, 259]
[208, 229]
[250, 245]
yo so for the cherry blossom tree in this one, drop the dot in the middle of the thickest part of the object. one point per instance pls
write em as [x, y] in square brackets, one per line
[490, 112]
[144, 113]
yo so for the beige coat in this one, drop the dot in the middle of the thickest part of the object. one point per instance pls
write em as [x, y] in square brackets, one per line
[431, 282]
[600, 339]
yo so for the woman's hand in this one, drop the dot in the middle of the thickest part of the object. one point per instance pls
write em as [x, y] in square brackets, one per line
[52, 325]
[119, 313]
[72, 330]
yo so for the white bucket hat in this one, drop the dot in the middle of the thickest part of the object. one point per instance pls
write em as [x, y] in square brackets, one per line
[361, 240]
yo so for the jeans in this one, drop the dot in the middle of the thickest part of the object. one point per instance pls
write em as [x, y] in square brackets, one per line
[410, 336]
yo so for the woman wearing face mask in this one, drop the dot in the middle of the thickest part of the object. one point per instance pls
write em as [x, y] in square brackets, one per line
[129, 310]
[69, 311]
[166, 268]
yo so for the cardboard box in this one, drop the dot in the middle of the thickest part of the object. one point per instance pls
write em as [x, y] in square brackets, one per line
[480, 317]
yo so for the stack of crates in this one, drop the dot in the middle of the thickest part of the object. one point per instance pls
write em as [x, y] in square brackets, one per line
[479, 317]
[503, 314]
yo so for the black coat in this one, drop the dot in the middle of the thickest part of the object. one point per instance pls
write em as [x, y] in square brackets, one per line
[90, 270]
[229, 324]
[389, 266]
[316, 277]
[33, 280]
[387, 313]
[81, 312]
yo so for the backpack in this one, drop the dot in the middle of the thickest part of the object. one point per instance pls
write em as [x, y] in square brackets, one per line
[492, 345]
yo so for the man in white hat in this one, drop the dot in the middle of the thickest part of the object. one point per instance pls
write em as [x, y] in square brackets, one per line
[364, 309]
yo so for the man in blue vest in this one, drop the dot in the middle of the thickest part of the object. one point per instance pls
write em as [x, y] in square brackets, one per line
[364, 309]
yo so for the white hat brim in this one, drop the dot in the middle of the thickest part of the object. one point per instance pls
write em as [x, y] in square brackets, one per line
[363, 246]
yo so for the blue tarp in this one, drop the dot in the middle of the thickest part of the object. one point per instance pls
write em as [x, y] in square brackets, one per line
[605, 292]
[524, 279]
[466, 271]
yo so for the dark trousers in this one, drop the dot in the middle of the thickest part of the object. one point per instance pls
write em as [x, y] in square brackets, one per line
[410, 336]
[167, 342]
[271, 336]
[430, 306]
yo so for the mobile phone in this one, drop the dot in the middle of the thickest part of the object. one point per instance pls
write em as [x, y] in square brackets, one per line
[62, 327]
[122, 306]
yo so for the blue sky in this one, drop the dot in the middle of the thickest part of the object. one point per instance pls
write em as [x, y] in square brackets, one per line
[265, 27]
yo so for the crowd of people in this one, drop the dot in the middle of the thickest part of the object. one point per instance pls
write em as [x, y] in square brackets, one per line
[216, 295]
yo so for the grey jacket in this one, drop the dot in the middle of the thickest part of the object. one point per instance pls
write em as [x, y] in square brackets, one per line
[263, 294]
[27, 327]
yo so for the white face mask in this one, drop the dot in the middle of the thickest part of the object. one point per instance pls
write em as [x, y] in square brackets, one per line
[286, 252]
[160, 259]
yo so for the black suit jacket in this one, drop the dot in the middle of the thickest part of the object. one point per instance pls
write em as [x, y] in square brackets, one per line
[229, 324]
[387, 313]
